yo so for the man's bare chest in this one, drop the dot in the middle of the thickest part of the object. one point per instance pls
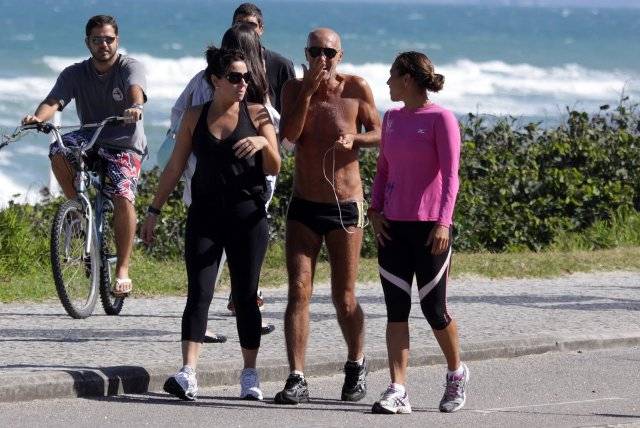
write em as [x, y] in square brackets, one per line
[333, 110]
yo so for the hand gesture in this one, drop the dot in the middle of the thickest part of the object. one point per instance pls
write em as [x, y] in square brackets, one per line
[312, 77]
[380, 226]
[345, 142]
[438, 239]
[249, 146]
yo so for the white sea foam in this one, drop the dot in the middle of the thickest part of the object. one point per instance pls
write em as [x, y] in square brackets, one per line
[495, 87]
[491, 87]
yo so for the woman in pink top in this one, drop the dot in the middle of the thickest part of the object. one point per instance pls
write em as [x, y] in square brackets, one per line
[414, 195]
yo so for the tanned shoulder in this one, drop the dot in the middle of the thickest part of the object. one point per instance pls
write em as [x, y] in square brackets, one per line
[357, 86]
[258, 113]
[191, 117]
[292, 85]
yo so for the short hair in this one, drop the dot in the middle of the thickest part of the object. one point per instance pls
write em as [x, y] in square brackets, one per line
[101, 21]
[420, 68]
[247, 9]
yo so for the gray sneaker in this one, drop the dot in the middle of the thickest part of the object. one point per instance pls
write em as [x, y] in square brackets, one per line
[454, 393]
[392, 402]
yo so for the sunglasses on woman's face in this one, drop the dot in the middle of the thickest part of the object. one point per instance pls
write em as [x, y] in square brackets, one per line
[315, 51]
[235, 77]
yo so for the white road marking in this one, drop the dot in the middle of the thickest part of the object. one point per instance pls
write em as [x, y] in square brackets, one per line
[560, 403]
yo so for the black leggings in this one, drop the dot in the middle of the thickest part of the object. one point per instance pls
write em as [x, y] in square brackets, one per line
[242, 231]
[404, 256]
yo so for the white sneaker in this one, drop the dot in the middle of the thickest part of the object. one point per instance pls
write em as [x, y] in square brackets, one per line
[183, 385]
[250, 385]
[455, 394]
[392, 402]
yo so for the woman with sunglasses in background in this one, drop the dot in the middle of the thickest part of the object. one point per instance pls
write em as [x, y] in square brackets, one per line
[235, 145]
[413, 199]
[241, 36]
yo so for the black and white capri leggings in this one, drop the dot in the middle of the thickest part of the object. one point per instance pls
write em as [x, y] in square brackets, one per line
[406, 255]
[242, 231]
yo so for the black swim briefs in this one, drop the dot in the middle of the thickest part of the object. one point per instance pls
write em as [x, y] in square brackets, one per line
[323, 217]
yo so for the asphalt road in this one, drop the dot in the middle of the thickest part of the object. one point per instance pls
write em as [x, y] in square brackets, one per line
[591, 388]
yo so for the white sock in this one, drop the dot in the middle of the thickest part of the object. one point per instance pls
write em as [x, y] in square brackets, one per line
[360, 361]
[457, 372]
[297, 372]
[187, 369]
[398, 387]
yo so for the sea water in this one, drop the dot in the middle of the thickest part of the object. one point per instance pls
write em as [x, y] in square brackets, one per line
[527, 61]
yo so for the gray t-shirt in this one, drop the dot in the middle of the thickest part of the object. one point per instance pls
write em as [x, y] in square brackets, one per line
[100, 96]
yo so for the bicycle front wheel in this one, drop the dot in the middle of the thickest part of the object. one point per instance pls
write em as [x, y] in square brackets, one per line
[112, 305]
[75, 272]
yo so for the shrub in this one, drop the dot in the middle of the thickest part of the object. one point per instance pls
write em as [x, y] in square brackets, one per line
[521, 187]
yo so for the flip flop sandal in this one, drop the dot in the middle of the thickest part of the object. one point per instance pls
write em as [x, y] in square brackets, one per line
[267, 328]
[122, 287]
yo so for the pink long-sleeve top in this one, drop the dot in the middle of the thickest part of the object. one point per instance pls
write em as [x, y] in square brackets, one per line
[417, 175]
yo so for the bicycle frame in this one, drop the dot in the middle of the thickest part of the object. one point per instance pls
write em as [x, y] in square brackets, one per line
[84, 178]
[93, 252]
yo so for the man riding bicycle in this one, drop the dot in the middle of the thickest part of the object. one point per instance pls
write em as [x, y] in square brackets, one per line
[107, 84]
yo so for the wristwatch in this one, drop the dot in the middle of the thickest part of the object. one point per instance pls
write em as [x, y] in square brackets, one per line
[138, 106]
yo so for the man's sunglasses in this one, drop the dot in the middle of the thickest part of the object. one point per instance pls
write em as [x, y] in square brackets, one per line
[235, 77]
[315, 51]
[98, 40]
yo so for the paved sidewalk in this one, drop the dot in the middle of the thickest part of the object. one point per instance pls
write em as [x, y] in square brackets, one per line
[46, 354]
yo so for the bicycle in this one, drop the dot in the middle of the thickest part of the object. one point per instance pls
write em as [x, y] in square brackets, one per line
[82, 242]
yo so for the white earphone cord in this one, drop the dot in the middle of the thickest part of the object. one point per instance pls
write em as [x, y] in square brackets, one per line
[333, 187]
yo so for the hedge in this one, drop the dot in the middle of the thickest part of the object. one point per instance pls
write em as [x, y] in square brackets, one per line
[521, 186]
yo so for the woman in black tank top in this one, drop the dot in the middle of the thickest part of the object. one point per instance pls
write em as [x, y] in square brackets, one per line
[235, 146]
[220, 177]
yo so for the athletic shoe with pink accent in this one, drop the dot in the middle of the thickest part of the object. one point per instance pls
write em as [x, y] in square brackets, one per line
[455, 392]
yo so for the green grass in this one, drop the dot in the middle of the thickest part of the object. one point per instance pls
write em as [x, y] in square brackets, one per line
[168, 278]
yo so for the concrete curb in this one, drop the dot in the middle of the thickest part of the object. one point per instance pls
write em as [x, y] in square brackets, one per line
[108, 381]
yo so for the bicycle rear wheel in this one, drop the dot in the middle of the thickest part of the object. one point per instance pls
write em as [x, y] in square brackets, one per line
[112, 305]
[75, 272]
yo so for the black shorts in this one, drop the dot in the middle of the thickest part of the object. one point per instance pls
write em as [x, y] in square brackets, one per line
[323, 217]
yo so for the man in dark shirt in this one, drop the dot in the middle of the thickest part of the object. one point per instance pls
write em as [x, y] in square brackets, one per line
[279, 69]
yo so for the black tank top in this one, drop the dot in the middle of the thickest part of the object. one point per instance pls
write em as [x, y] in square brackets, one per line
[220, 177]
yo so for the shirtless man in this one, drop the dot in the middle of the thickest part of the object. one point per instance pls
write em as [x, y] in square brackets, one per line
[323, 114]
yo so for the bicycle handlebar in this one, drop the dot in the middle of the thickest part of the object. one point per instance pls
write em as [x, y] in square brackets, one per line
[46, 128]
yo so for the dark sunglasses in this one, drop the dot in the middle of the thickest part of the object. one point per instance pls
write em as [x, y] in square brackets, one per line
[98, 40]
[315, 51]
[235, 77]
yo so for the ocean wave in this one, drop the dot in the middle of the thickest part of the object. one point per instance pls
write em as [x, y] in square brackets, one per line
[489, 87]
[492, 87]
[496, 87]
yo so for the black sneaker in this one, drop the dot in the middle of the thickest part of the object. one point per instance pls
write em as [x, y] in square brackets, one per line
[355, 382]
[294, 392]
